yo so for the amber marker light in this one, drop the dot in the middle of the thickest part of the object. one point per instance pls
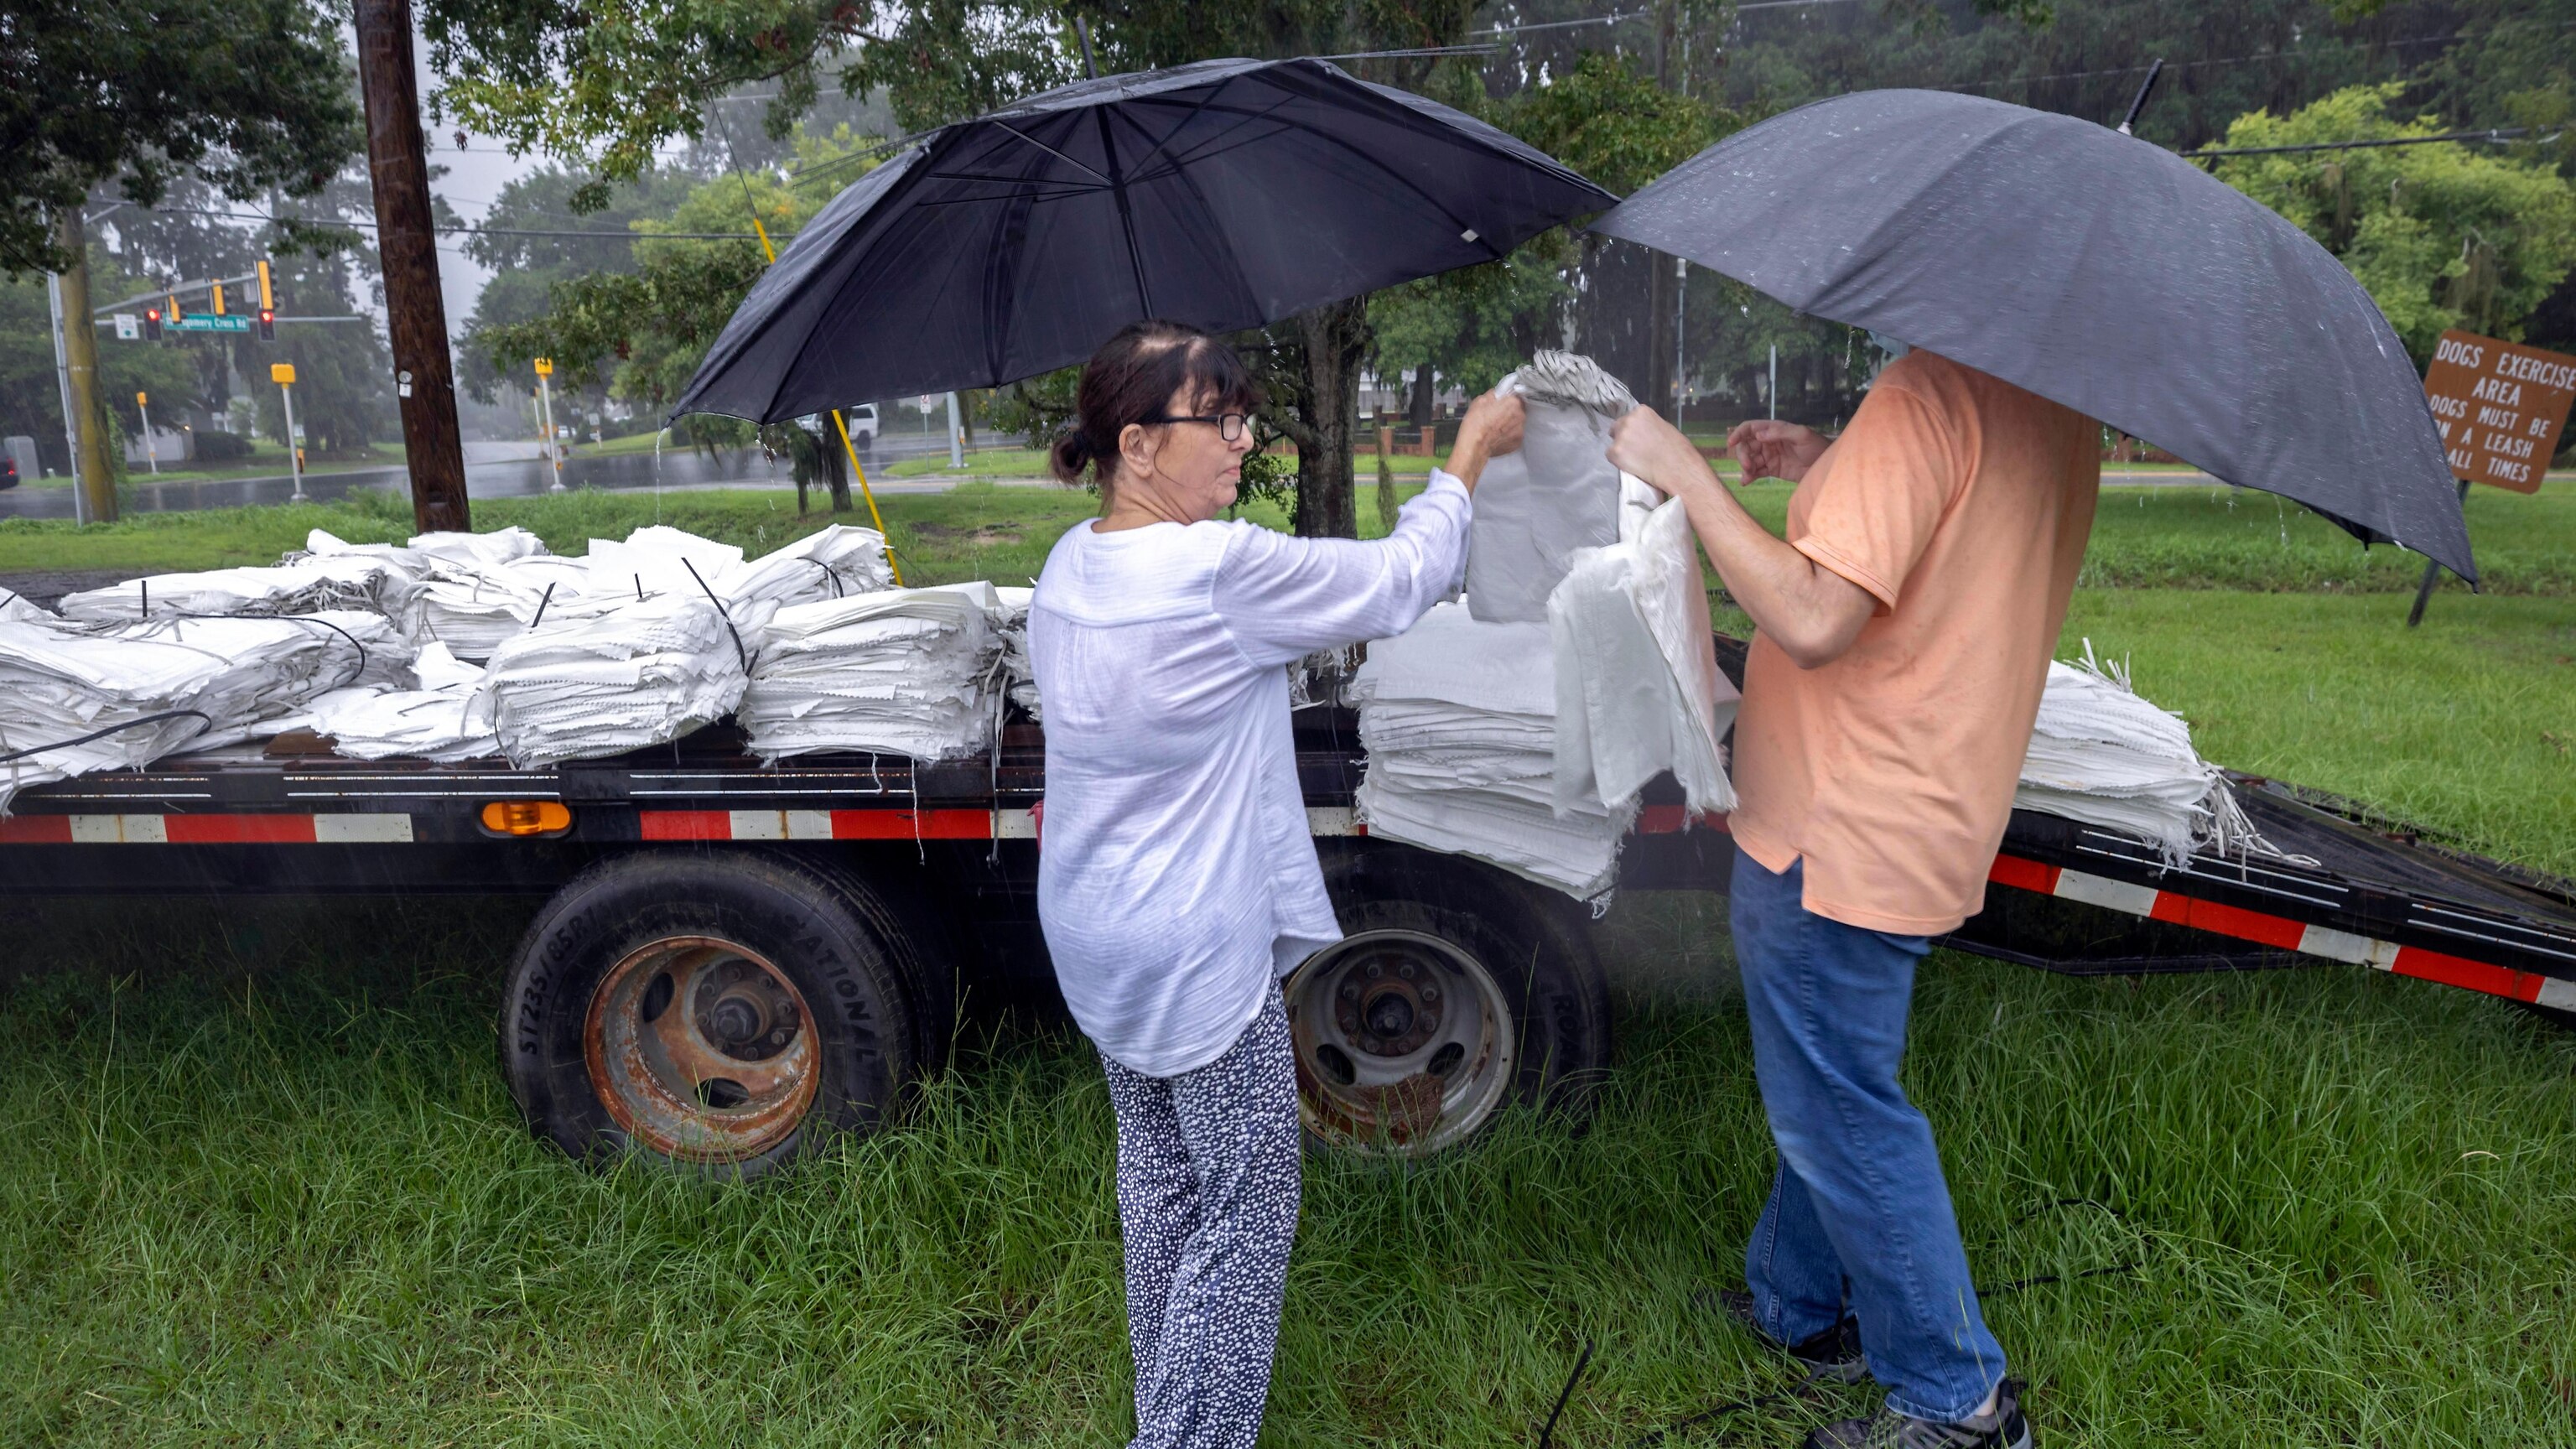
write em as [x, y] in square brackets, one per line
[526, 817]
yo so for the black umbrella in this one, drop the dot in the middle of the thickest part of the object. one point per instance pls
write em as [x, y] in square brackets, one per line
[1227, 194]
[2096, 270]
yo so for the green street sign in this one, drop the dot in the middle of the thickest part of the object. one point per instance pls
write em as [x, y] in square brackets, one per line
[211, 323]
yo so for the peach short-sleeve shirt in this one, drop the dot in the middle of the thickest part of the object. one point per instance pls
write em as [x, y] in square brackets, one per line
[1962, 504]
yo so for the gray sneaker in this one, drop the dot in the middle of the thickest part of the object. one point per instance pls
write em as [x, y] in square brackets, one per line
[1832, 1354]
[2005, 1428]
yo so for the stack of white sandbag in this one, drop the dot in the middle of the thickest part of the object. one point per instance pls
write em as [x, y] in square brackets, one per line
[2102, 754]
[473, 607]
[635, 673]
[899, 671]
[435, 719]
[1011, 627]
[150, 687]
[1460, 722]
[305, 585]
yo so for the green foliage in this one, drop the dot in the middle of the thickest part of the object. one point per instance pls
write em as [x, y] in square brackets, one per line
[251, 95]
[2443, 236]
[526, 269]
[641, 333]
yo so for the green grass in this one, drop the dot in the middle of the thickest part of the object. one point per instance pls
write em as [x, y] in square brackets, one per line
[260, 1183]
[272, 1193]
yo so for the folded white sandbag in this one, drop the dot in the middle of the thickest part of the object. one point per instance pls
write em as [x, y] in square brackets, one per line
[305, 585]
[898, 671]
[640, 673]
[434, 720]
[170, 683]
[1555, 494]
[2102, 754]
[1459, 719]
[1011, 627]
[473, 607]
[1638, 690]
[832, 563]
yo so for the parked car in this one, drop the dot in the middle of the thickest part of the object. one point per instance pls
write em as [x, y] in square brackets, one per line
[862, 421]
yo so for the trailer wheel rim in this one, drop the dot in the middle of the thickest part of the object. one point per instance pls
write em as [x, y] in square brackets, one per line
[701, 1049]
[1404, 1043]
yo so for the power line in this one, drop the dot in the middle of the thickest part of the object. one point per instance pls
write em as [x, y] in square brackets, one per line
[2499, 134]
[468, 230]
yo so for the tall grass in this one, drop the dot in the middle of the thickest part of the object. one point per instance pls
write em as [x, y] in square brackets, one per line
[259, 1184]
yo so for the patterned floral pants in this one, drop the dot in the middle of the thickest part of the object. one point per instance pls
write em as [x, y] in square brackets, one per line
[1207, 1198]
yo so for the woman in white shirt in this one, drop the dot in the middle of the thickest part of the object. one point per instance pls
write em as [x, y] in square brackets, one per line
[1177, 881]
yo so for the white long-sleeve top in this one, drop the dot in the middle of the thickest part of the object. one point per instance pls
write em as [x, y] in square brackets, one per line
[1177, 879]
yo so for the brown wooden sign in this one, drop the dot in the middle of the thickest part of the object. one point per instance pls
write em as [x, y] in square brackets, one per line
[2500, 406]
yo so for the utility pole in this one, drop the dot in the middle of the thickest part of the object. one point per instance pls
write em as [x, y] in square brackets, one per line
[956, 440]
[63, 385]
[80, 365]
[151, 449]
[416, 312]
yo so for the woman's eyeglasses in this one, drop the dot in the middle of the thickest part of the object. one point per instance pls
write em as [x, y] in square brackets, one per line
[1231, 425]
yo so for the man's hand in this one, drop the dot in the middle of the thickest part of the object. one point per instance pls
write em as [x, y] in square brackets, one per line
[1769, 448]
[1492, 425]
[1644, 444]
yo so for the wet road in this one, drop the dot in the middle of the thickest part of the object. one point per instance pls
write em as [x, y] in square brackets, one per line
[494, 470]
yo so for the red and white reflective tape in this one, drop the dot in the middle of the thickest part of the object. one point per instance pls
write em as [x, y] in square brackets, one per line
[838, 825]
[2277, 931]
[341, 829]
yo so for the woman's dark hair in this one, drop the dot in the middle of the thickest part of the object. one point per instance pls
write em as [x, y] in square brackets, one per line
[1132, 378]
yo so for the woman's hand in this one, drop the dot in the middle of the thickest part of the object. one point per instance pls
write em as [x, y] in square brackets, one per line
[1769, 448]
[1492, 425]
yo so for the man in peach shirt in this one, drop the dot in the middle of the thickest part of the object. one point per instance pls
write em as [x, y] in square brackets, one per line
[1902, 637]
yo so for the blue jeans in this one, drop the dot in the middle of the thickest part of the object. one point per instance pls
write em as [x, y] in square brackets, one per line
[1859, 1215]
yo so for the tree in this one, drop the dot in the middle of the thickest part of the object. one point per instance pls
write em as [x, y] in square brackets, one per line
[647, 74]
[2443, 236]
[249, 95]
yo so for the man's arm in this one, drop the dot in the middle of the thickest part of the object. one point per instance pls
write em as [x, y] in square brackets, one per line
[1810, 611]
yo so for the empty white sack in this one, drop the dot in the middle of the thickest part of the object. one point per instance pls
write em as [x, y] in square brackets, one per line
[1638, 690]
[1555, 494]
[898, 671]
[640, 673]
[2102, 754]
[1459, 718]
[433, 720]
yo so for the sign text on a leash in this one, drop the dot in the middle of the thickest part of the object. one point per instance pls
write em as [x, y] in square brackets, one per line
[2500, 406]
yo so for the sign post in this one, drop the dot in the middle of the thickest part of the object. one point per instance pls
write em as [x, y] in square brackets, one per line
[546, 401]
[283, 374]
[151, 449]
[2499, 406]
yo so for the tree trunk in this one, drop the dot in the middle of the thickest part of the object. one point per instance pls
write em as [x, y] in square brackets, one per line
[1336, 337]
[836, 470]
[1424, 397]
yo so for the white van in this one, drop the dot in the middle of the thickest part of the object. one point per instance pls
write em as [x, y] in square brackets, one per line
[862, 421]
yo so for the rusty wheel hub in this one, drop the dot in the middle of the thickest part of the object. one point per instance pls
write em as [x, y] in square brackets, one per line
[1404, 1043]
[701, 1050]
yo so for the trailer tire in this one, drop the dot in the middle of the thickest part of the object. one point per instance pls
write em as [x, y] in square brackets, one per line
[1516, 1010]
[712, 1014]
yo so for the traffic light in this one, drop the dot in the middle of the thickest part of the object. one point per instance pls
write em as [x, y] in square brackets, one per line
[175, 313]
[152, 325]
[267, 324]
[219, 298]
[267, 293]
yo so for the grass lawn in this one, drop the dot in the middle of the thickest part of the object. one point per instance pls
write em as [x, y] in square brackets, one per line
[260, 1183]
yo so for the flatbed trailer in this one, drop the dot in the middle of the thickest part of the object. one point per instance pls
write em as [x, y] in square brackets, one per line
[733, 958]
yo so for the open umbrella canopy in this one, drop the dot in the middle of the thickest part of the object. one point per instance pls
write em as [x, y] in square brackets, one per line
[1226, 194]
[2096, 270]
